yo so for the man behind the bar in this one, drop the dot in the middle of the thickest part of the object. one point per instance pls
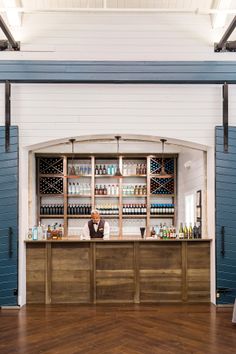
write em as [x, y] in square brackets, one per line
[96, 227]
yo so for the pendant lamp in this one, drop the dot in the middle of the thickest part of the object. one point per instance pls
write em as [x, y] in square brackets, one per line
[118, 173]
[72, 170]
[163, 173]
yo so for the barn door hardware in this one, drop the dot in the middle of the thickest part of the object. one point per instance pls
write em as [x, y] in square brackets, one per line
[225, 116]
[7, 115]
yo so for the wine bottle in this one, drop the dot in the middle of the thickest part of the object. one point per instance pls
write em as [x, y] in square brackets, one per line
[181, 231]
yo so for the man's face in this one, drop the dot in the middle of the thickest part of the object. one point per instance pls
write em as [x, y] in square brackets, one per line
[95, 218]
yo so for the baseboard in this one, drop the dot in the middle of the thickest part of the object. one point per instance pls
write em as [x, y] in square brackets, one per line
[10, 307]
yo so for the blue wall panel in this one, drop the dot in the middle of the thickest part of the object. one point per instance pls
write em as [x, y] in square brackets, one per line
[8, 218]
[226, 215]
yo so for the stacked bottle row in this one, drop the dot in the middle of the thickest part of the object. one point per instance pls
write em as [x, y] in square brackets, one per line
[75, 169]
[189, 232]
[79, 209]
[49, 209]
[79, 188]
[107, 170]
[163, 231]
[132, 189]
[162, 209]
[108, 209]
[43, 232]
[110, 189]
[134, 169]
[134, 209]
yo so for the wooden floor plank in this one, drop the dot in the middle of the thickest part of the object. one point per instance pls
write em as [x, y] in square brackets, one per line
[117, 329]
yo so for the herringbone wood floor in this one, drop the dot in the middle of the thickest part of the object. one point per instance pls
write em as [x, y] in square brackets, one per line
[116, 329]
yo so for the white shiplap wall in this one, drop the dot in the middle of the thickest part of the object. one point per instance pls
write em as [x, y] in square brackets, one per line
[47, 112]
[117, 36]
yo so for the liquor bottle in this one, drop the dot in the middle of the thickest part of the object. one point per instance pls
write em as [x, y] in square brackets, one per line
[49, 233]
[96, 170]
[190, 232]
[153, 232]
[73, 189]
[35, 233]
[181, 231]
[104, 190]
[104, 170]
[199, 231]
[195, 231]
[185, 232]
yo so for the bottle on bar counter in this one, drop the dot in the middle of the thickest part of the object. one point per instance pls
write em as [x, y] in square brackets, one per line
[181, 231]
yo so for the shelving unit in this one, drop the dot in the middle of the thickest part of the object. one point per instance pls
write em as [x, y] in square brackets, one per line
[56, 186]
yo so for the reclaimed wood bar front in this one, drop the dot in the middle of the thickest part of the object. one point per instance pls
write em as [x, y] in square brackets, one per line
[134, 271]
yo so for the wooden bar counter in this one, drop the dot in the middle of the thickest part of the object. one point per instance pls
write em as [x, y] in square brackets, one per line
[118, 270]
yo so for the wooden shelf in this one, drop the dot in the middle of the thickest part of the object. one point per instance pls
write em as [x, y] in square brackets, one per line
[158, 176]
[52, 216]
[162, 195]
[131, 216]
[134, 195]
[77, 176]
[162, 216]
[105, 196]
[109, 216]
[78, 195]
[106, 176]
[127, 176]
[76, 216]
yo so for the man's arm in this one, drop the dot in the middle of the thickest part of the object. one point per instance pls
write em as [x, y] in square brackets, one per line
[106, 231]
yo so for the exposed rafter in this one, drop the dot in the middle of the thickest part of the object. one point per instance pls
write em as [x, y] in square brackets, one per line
[10, 43]
[223, 45]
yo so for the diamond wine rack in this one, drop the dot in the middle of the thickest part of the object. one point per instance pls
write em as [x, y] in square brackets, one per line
[160, 184]
[52, 165]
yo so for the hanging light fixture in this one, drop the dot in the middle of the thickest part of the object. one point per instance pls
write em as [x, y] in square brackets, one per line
[118, 172]
[163, 173]
[72, 169]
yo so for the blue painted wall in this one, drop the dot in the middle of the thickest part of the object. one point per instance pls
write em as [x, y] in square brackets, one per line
[225, 166]
[9, 176]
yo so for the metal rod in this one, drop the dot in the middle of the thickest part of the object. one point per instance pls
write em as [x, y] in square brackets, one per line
[7, 115]
[8, 34]
[225, 117]
[226, 35]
